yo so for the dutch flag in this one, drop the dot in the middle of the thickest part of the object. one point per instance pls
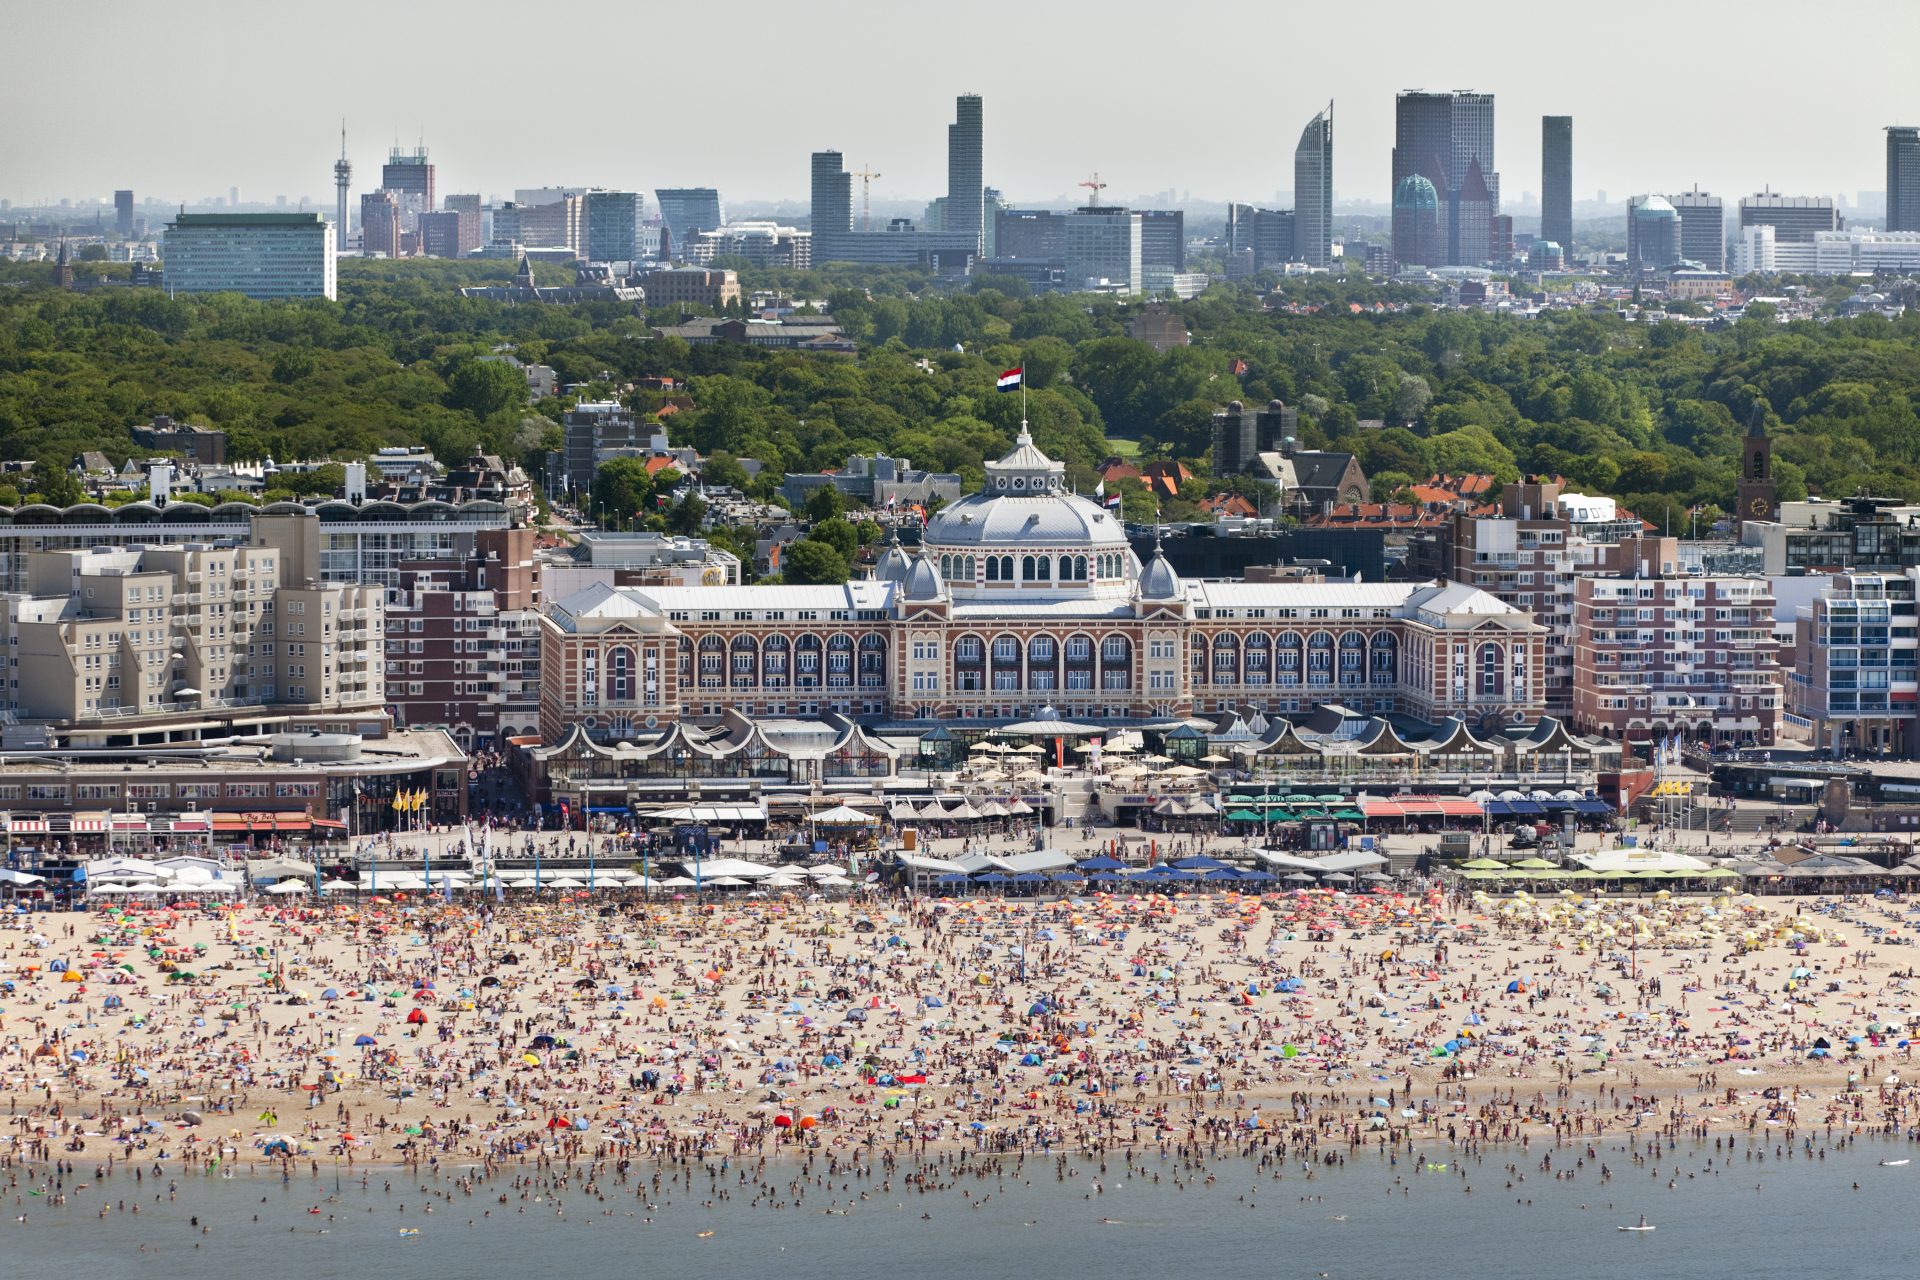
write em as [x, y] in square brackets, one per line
[1010, 380]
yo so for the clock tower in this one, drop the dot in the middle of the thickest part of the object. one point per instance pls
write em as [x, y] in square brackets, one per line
[1757, 500]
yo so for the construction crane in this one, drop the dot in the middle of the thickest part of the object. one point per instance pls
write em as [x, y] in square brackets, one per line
[1096, 186]
[866, 177]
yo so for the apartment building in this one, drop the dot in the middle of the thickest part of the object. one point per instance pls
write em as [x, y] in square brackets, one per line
[182, 639]
[462, 642]
[1855, 650]
[330, 540]
[1658, 652]
[1525, 557]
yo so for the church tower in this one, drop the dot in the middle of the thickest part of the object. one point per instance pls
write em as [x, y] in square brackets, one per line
[1757, 500]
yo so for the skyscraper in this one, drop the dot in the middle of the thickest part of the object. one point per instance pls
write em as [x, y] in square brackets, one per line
[1473, 140]
[409, 175]
[686, 212]
[1903, 178]
[1653, 234]
[965, 212]
[1556, 181]
[1794, 219]
[380, 224]
[123, 212]
[1703, 228]
[831, 203]
[1438, 136]
[1313, 192]
[613, 225]
[261, 255]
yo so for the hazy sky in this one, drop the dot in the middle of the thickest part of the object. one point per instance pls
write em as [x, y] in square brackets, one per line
[185, 99]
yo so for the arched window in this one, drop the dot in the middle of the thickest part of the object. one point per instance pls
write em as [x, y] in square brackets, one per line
[774, 662]
[806, 662]
[1005, 674]
[1027, 572]
[1353, 658]
[1043, 663]
[1066, 568]
[1257, 658]
[1079, 657]
[839, 661]
[1197, 647]
[620, 674]
[1385, 663]
[713, 662]
[686, 662]
[1006, 568]
[1079, 568]
[993, 568]
[1493, 676]
[1319, 658]
[1116, 664]
[745, 662]
[1287, 652]
[1226, 659]
[873, 660]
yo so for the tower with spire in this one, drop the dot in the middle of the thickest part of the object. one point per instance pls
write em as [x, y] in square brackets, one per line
[342, 179]
[62, 268]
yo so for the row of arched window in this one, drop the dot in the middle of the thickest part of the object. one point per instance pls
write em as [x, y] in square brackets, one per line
[1032, 568]
[1289, 658]
[1042, 663]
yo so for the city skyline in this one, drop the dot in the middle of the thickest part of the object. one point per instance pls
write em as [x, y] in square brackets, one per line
[1809, 144]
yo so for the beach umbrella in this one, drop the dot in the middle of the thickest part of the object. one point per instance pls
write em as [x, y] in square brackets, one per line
[362, 1041]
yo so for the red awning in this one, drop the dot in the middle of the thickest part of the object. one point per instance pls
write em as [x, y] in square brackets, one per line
[261, 822]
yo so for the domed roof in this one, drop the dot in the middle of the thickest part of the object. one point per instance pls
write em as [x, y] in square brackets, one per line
[1158, 581]
[894, 563]
[1654, 207]
[1415, 192]
[1025, 505]
[923, 580]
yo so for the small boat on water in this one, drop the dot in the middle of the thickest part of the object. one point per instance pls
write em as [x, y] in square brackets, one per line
[1893, 1164]
[409, 1232]
[1643, 1225]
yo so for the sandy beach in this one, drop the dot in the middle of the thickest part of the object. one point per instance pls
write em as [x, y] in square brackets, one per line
[265, 1036]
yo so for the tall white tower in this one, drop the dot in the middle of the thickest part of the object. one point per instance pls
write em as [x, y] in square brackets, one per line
[342, 179]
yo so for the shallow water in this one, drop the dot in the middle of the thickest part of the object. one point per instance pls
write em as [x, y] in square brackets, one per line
[1777, 1218]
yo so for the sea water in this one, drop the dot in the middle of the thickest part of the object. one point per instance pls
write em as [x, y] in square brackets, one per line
[1755, 1219]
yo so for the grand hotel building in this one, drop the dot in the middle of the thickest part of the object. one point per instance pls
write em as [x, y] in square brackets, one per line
[1026, 596]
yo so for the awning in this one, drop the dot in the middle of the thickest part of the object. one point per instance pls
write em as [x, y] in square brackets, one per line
[87, 823]
[27, 826]
[235, 822]
[711, 813]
